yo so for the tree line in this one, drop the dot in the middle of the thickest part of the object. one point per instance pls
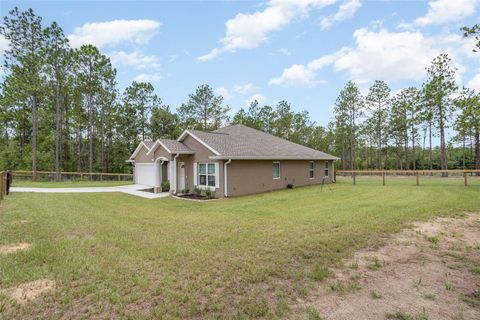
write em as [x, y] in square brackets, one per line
[61, 110]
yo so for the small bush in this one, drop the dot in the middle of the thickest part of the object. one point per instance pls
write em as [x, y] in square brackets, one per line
[197, 191]
[186, 191]
[165, 185]
[209, 194]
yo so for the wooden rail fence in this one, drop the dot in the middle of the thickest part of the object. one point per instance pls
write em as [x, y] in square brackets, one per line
[415, 173]
[82, 176]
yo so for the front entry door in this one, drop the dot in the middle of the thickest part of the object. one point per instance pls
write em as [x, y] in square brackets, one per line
[181, 177]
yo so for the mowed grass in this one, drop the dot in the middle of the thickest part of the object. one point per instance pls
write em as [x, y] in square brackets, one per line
[120, 256]
[68, 184]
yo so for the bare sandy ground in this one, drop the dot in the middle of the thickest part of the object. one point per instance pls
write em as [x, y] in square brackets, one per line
[29, 291]
[429, 272]
[10, 248]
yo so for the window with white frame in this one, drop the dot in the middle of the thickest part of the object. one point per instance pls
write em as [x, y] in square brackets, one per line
[276, 170]
[327, 169]
[311, 169]
[206, 174]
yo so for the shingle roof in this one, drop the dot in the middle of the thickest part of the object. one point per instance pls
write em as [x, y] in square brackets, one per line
[149, 144]
[242, 142]
[175, 146]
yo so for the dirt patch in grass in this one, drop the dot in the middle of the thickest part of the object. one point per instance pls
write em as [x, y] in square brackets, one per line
[19, 222]
[10, 248]
[29, 291]
[424, 272]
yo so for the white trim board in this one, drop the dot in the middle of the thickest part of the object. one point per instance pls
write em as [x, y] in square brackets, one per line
[137, 150]
[182, 137]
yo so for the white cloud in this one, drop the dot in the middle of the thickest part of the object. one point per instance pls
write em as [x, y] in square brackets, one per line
[345, 11]
[113, 32]
[444, 11]
[385, 55]
[250, 30]
[300, 75]
[134, 59]
[244, 89]
[4, 43]
[474, 83]
[224, 93]
[285, 52]
[148, 77]
[260, 99]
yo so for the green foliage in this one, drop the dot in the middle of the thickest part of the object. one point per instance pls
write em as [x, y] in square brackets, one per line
[197, 191]
[165, 185]
[203, 110]
[320, 272]
[199, 245]
[60, 109]
[398, 315]
[209, 194]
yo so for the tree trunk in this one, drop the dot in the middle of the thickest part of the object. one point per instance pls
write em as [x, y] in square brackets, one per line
[343, 149]
[430, 146]
[443, 150]
[379, 142]
[79, 151]
[90, 132]
[57, 133]
[34, 137]
[477, 151]
[414, 160]
[352, 141]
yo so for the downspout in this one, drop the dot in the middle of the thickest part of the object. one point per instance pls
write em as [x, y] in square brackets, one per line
[175, 172]
[225, 185]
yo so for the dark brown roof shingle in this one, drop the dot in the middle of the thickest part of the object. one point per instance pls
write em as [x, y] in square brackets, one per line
[242, 142]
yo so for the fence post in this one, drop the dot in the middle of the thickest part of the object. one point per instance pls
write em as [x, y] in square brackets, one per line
[383, 177]
[465, 177]
[418, 182]
[101, 176]
[119, 178]
[354, 178]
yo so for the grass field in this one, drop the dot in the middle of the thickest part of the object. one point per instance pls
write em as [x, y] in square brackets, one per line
[68, 184]
[120, 256]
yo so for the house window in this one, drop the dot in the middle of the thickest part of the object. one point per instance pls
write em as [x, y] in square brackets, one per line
[276, 170]
[311, 170]
[327, 169]
[206, 174]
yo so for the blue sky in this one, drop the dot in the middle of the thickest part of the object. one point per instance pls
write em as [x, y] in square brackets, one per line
[302, 51]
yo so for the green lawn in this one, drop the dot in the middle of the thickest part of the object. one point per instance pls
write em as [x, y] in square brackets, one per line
[120, 256]
[69, 184]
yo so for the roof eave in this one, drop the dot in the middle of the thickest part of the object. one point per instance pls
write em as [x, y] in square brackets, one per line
[187, 132]
[271, 158]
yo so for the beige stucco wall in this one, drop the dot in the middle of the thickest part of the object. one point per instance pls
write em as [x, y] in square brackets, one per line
[142, 157]
[202, 155]
[161, 152]
[248, 176]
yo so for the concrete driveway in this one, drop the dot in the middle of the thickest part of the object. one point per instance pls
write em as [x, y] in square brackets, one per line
[133, 189]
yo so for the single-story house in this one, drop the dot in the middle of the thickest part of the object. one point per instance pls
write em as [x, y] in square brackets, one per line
[231, 161]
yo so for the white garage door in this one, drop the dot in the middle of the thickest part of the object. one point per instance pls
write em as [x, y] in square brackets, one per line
[145, 174]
